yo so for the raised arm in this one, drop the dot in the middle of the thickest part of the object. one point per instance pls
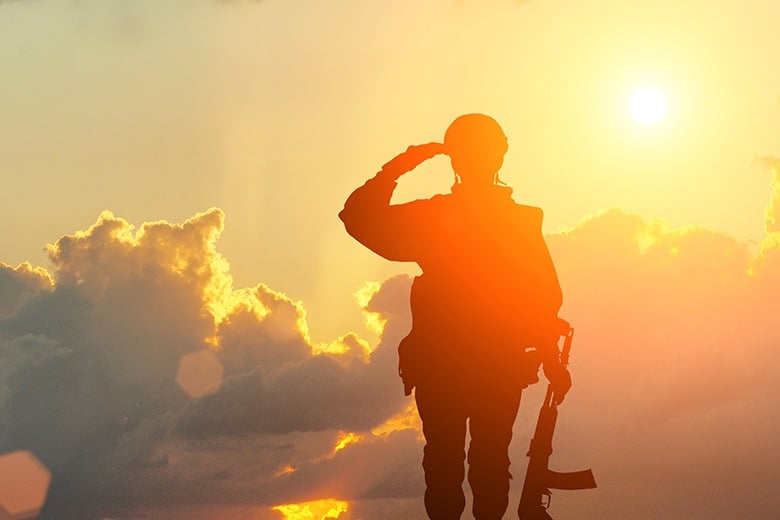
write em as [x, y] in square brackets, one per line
[391, 231]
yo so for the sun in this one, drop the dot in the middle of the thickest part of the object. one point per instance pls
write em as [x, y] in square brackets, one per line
[647, 106]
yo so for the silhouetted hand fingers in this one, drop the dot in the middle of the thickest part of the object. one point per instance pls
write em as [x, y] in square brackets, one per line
[411, 158]
[427, 150]
[559, 378]
[562, 326]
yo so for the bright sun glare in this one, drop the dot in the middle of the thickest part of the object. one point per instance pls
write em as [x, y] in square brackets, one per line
[647, 105]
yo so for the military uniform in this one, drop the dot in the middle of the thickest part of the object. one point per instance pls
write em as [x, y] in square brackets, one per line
[483, 312]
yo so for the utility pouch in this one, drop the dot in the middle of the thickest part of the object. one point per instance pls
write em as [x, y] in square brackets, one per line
[408, 364]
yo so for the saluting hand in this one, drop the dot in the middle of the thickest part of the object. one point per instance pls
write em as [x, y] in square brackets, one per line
[410, 159]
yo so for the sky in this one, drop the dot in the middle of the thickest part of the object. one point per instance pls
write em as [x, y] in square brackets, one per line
[172, 171]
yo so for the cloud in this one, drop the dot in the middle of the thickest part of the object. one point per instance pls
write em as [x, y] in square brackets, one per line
[674, 364]
[17, 284]
[772, 212]
[676, 339]
[90, 357]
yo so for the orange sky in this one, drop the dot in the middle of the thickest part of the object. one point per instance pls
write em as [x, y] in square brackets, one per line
[274, 111]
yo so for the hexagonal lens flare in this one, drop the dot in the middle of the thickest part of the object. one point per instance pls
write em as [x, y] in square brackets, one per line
[24, 482]
[200, 373]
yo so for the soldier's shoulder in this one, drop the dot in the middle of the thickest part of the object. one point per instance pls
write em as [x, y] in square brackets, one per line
[440, 199]
[534, 212]
[426, 208]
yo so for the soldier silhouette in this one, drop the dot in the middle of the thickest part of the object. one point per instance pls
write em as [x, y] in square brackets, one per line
[484, 310]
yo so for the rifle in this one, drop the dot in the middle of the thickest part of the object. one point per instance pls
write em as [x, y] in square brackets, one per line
[539, 479]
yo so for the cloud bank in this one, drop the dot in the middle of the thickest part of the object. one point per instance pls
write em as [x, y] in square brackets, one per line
[675, 401]
[90, 356]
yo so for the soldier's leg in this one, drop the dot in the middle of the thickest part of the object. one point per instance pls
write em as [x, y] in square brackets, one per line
[492, 417]
[444, 426]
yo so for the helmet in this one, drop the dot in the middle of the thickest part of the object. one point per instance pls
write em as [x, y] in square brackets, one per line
[477, 144]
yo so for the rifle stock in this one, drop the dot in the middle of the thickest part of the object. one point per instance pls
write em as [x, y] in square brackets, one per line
[539, 479]
[571, 480]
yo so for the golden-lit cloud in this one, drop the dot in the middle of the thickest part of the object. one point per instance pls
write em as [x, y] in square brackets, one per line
[408, 419]
[348, 346]
[373, 320]
[129, 317]
[772, 211]
[770, 247]
[284, 470]
[675, 335]
[324, 509]
[676, 329]
[19, 283]
[345, 439]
